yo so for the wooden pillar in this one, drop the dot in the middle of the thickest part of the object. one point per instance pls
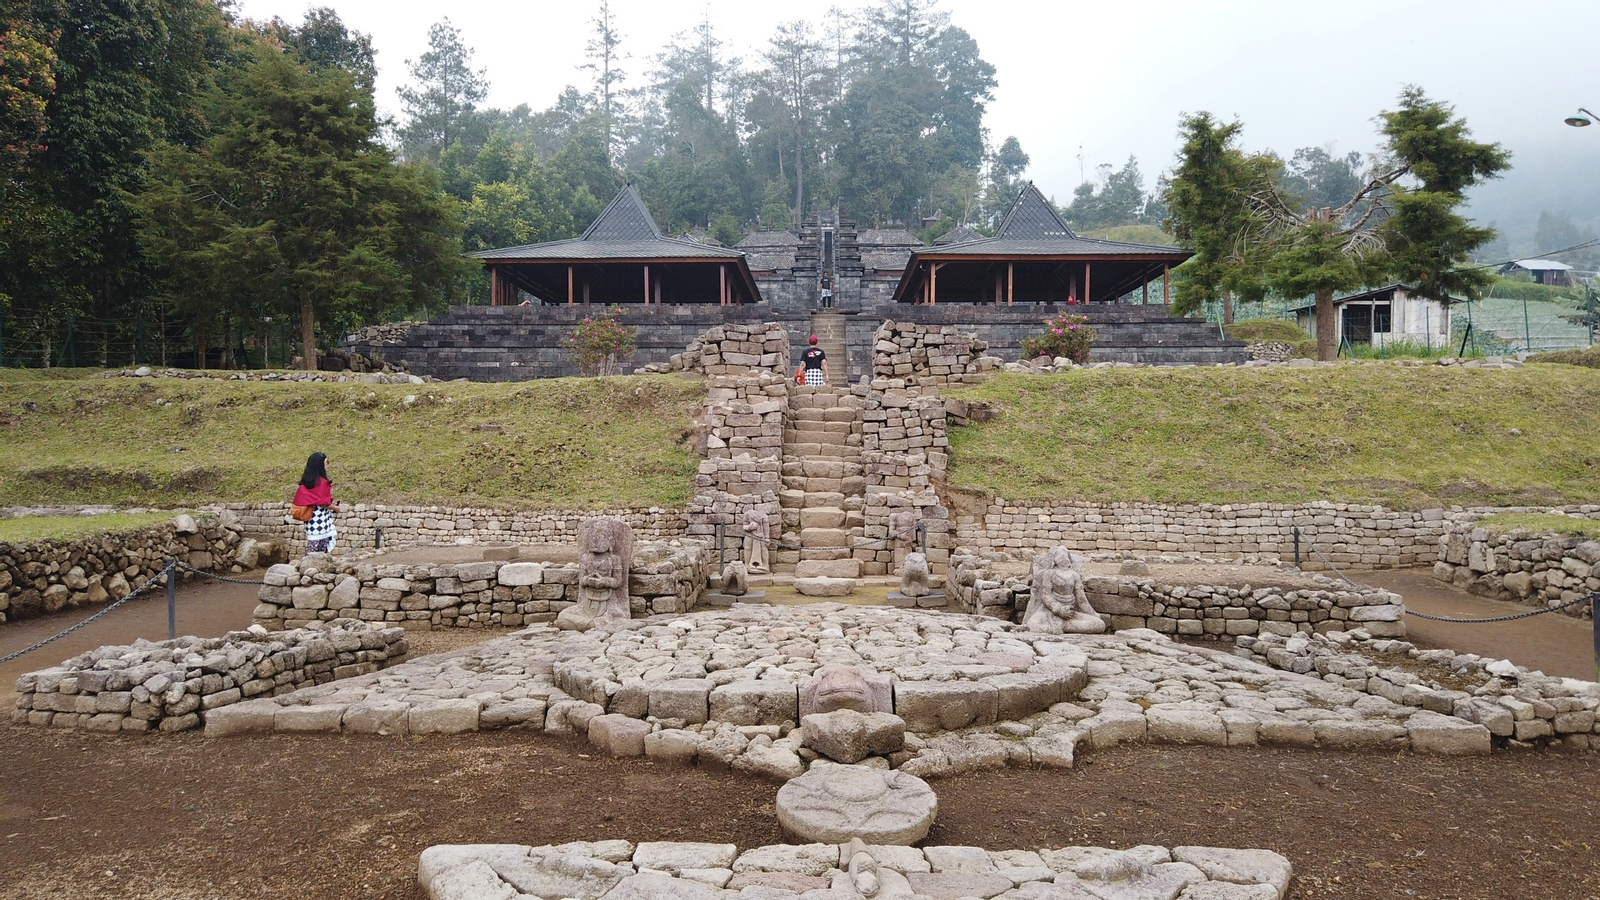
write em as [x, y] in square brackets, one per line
[646, 285]
[494, 285]
[1010, 283]
[569, 285]
[1166, 289]
[586, 292]
[722, 284]
[1144, 300]
[1086, 274]
[658, 292]
[996, 287]
[933, 284]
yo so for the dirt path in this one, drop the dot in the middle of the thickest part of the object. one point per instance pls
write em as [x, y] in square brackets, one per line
[206, 608]
[329, 818]
[1552, 643]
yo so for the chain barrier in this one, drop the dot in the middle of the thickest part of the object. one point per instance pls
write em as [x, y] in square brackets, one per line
[150, 582]
[213, 576]
[1588, 598]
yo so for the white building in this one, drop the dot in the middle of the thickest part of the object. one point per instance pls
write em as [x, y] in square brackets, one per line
[1544, 271]
[1382, 316]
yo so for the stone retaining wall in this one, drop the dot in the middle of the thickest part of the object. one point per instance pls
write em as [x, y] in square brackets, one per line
[734, 349]
[1203, 610]
[172, 685]
[44, 577]
[403, 525]
[663, 578]
[1521, 566]
[1349, 534]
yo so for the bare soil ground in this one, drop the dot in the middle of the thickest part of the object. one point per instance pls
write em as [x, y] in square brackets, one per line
[164, 817]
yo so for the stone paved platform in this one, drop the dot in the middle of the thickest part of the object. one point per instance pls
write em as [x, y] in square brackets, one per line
[717, 688]
[620, 870]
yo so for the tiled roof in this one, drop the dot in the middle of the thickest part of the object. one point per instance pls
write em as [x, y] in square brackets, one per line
[957, 235]
[887, 237]
[1034, 228]
[624, 230]
[769, 239]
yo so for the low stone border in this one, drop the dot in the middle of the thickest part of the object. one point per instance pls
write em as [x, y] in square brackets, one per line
[717, 689]
[1521, 566]
[664, 578]
[1510, 701]
[1192, 610]
[620, 870]
[178, 684]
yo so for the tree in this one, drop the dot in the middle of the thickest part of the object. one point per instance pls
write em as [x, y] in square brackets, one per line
[447, 91]
[1119, 199]
[795, 74]
[604, 56]
[1401, 223]
[323, 42]
[294, 204]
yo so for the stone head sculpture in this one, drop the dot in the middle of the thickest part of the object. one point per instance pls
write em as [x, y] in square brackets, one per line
[846, 687]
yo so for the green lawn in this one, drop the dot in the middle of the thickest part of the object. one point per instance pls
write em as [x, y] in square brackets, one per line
[1406, 437]
[1540, 523]
[560, 443]
[63, 528]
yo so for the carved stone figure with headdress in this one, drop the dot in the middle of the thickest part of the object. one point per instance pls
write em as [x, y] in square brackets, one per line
[1059, 604]
[605, 548]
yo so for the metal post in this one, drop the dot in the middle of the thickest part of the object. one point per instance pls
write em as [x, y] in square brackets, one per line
[922, 538]
[172, 600]
[1527, 333]
[1297, 548]
[1594, 621]
[377, 537]
[722, 553]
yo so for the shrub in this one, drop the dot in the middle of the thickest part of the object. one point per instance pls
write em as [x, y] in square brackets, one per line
[600, 343]
[1065, 335]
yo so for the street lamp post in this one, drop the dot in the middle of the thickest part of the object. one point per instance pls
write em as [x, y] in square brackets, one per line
[1581, 119]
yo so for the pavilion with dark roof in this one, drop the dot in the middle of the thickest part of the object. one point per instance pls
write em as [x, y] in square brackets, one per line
[622, 258]
[1035, 258]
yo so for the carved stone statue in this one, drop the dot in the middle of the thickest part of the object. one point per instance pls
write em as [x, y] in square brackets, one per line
[735, 581]
[757, 531]
[915, 580]
[1059, 604]
[903, 533]
[846, 687]
[605, 548]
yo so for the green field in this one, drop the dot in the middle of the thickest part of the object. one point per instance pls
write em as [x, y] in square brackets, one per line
[1407, 437]
[64, 528]
[570, 442]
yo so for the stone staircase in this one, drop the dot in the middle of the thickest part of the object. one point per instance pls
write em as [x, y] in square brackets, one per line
[829, 327]
[823, 482]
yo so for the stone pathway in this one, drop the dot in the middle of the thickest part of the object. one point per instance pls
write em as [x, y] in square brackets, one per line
[620, 870]
[719, 688]
[823, 482]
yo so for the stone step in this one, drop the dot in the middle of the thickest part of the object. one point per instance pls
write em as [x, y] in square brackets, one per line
[821, 517]
[850, 414]
[827, 451]
[814, 436]
[829, 568]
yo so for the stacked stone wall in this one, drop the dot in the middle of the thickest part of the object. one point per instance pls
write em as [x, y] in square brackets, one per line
[172, 685]
[359, 523]
[45, 577]
[662, 578]
[905, 450]
[1220, 612]
[1521, 566]
[736, 350]
[928, 354]
[1348, 534]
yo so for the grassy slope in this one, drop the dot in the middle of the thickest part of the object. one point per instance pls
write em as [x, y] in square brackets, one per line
[1541, 523]
[565, 442]
[61, 528]
[1405, 437]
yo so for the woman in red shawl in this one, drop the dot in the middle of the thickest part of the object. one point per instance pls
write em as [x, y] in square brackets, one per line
[316, 491]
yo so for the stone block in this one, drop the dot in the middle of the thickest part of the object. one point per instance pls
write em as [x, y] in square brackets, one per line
[528, 711]
[618, 736]
[828, 568]
[929, 706]
[825, 587]
[322, 717]
[681, 698]
[377, 717]
[521, 573]
[847, 736]
[249, 717]
[759, 702]
[1181, 725]
[444, 716]
[310, 597]
[1447, 735]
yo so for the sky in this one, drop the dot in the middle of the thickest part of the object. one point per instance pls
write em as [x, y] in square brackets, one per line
[1082, 84]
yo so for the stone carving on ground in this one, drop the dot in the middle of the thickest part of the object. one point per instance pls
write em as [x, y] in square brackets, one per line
[835, 803]
[605, 546]
[915, 580]
[847, 736]
[735, 580]
[847, 870]
[846, 687]
[1059, 604]
[757, 532]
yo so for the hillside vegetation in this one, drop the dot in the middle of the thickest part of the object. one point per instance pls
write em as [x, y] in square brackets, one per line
[1405, 437]
[567, 442]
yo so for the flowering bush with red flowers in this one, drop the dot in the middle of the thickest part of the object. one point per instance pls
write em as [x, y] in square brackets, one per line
[600, 343]
[1064, 335]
